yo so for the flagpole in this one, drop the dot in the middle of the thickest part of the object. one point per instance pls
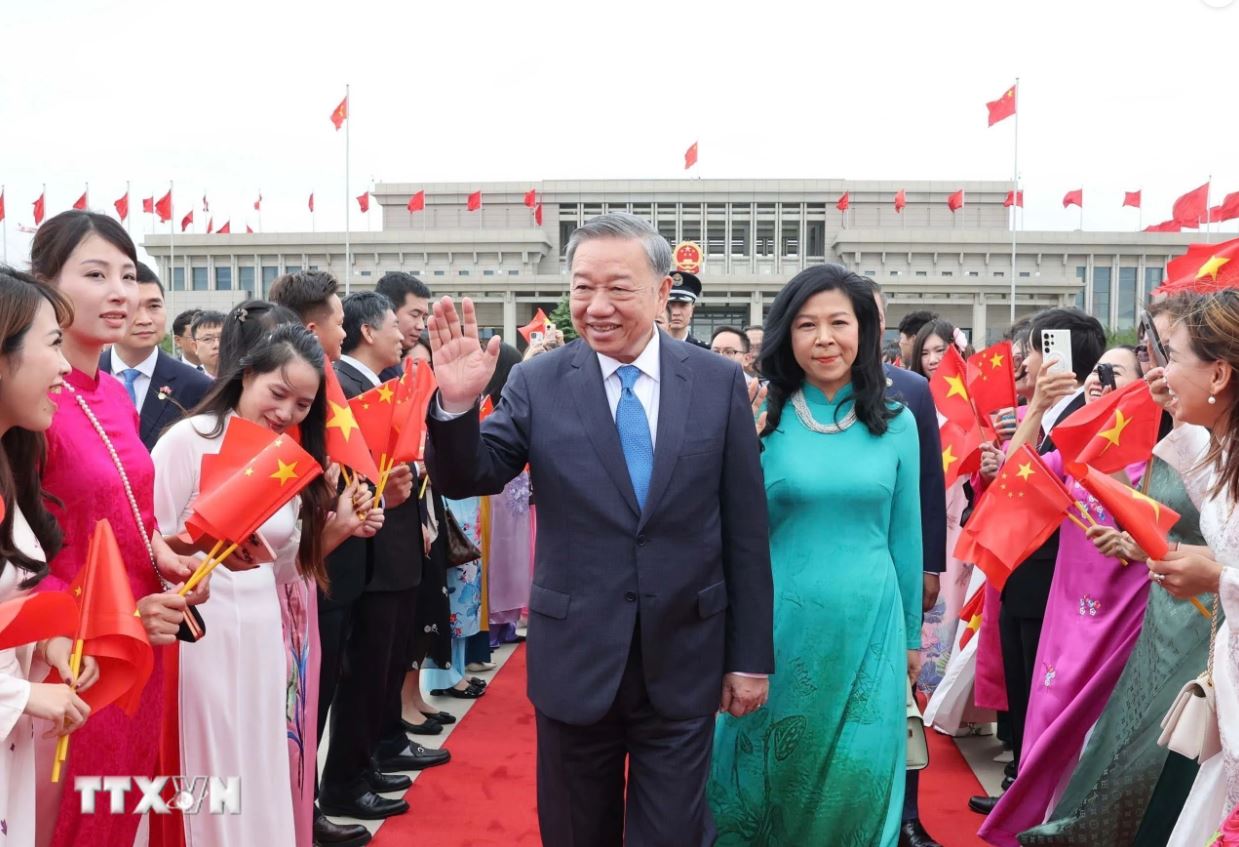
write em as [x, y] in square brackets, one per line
[1015, 188]
[172, 247]
[128, 217]
[1208, 215]
[348, 262]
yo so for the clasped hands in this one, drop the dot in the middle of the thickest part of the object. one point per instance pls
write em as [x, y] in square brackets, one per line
[743, 694]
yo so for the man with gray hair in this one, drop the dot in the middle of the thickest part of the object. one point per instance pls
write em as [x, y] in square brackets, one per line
[652, 602]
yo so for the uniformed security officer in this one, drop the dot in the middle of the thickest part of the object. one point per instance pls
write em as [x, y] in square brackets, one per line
[685, 291]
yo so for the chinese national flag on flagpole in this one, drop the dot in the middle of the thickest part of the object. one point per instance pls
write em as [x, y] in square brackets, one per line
[1228, 210]
[1073, 198]
[955, 201]
[1131, 198]
[258, 203]
[122, 206]
[373, 412]
[1112, 432]
[991, 380]
[1, 218]
[363, 201]
[1190, 209]
[111, 632]
[537, 325]
[1015, 515]
[1003, 107]
[225, 229]
[474, 202]
[80, 203]
[311, 201]
[249, 230]
[417, 202]
[901, 200]
[537, 214]
[164, 209]
[39, 209]
[346, 444]
[842, 203]
[690, 156]
[187, 220]
[1164, 226]
[971, 615]
[210, 225]
[1145, 519]
[1014, 198]
[531, 197]
[340, 114]
[413, 394]
[148, 205]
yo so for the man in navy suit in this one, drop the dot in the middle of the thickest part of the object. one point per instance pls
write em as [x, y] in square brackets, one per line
[161, 388]
[652, 604]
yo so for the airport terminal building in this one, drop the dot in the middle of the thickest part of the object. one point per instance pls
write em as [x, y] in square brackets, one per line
[753, 236]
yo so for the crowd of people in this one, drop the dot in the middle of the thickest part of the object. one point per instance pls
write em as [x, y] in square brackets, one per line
[707, 665]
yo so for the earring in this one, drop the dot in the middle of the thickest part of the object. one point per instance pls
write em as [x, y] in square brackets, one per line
[1212, 400]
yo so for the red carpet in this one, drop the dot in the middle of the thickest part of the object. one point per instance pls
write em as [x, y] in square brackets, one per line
[486, 797]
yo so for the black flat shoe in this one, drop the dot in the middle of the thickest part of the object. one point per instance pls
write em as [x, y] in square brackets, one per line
[982, 805]
[428, 727]
[912, 834]
[328, 833]
[470, 693]
[366, 806]
[386, 783]
[477, 681]
[445, 718]
[415, 757]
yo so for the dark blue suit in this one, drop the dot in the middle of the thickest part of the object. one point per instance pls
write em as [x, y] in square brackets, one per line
[635, 614]
[913, 390]
[188, 386]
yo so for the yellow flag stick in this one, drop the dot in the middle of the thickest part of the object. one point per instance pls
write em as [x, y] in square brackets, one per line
[62, 745]
[205, 568]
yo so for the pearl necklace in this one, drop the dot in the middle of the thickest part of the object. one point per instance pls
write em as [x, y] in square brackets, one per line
[801, 406]
[124, 478]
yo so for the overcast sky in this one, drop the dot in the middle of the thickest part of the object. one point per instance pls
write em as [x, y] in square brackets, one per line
[235, 97]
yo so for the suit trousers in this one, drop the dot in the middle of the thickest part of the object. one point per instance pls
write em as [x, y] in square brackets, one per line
[581, 785]
[1020, 637]
[359, 712]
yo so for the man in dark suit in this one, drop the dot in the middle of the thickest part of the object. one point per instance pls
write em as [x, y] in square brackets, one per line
[161, 388]
[652, 601]
[374, 615]
[1027, 591]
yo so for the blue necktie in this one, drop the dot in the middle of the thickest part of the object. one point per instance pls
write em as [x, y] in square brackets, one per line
[634, 433]
[130, 376]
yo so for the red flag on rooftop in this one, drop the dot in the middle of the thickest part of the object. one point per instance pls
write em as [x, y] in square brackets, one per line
[955, 202]
[81, 202]
[1146, 520]
[417, 202]
[1131, 198]
[537, 214]
[474, 202]
[122, 206]
[258, 203]
[1228, 210]
[1014, 198]
[225, 229]
[311, 201]
[531, 197]
[249, 230]
[842, 203]
[346, 444]
[148, 205]
[690, 156]
[1112, 432]
[1003, 107]
[340, 114]
[901, 200]
[363, 201]
[1074, 198]
[1190, 209]
[210, 225]
[164, 209]
[1164, 226]
[39, 209]
[187, 220]
[1, 218]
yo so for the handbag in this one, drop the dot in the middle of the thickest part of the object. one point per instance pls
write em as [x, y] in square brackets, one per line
[918, 748]
[460, 550]
[192, 625]
[1190, 728]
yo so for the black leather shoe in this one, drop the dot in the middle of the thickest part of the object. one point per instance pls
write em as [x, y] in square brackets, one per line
[982, 805]
[470, 693]
[912, 834]
[1009, 770]
[426, 727]
[328, 833]
[366, 806]
[385, 783]
[415, 757]
[445, 718]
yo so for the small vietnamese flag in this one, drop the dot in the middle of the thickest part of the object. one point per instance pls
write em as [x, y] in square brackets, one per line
[122, 206]
[1074, 198]
[1015, 515]
[187, 220]
[1014, 198]
[38, 209]
[1205, 267]
[537, 325]
[1131, 198]
[955, 201]
[690, 156]
[970, 614]
[340, 114]
[373, 411]
[531, 197]
[474, 202]
[363, 201]
[991, 380]
[1112, 432]
[1147, 521]
[413, 395]
[345, 442]
[164, 209]
[1003, 107]
[901, 200]
[81, 203]
[842, 203]
[417, 202]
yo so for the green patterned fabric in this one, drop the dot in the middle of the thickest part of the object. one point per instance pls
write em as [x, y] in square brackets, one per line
[1112, 787]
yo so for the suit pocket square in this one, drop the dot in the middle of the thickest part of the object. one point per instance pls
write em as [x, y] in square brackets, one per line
[544, 601]
[712, 600]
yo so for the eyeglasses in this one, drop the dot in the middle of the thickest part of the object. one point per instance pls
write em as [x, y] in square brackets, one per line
[615, 293]
[727, 351]
[213, 338]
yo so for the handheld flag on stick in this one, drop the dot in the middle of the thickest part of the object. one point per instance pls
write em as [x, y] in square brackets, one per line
[346, 443]
[991, 380]
[1113, 432]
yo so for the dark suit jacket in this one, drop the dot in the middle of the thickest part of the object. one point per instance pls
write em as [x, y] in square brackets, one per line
[912, 390]
[691, 571]
[188, 386]
[392, 560]
[1028, 588]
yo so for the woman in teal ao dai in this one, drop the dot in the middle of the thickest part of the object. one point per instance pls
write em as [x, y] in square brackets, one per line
[824, 762]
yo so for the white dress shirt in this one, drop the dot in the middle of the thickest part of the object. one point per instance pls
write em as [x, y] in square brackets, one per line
[145, 368]
[646, 386]
[364, 368]
[1050, 419]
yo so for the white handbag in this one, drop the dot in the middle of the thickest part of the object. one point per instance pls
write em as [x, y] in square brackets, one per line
[1190, 728]
[918, 749]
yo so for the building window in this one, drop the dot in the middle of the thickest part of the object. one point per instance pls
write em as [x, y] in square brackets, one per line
[641, 210]
[269, 275]
[871, 274]
[178, 279]
[716, 236]
[763, 244]
[740, 238]
[922, 273]
[292, 269]
[514, 273]
[947, 273]
[566, 228]
[974, 273]
[1152, 279]
[691, 229]
[1081, 274]
[1025, 273]
[488, 273]
[815, 235]
[666, 228]
[245, 279]
[223, 279]
[440, 273]
[1000, 273]
[1127, 298]
[361, 273]
[462, 272]
[790, 240]
[313, 267]
[895, 273]
[1101, 294]
[200, 280]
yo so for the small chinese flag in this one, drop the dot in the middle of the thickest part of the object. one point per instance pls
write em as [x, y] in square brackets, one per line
[961, 450]
[690, 156]
[1074, 198]
[991, 380]
[81, 203]
[537, 214]
[474, 202]
[1228, 210]
[531, 197]
[901, 200]
[148, 205]
[971, 616]
[842, 203]
[1014, 198]
[340, 114]
[187, 220]
[955, 202]
[417, 202]
[373, 412]
[225, 229]
[108, 626]
[538, 325]
[949, 387]
[1205, 267]
[1190, 209]
[39, 208]
[1112, 432]
[122, 206]
[311, 201]
[345, 443]
[258, 203]
[363, 201]
[417, 387]
[164, 209]
[1145, 520]
[1003, 107]
[1015, 515]
[37, 616]
[1131, 198]
[243, 440]
[486, 409]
